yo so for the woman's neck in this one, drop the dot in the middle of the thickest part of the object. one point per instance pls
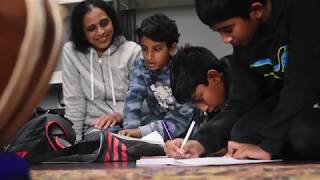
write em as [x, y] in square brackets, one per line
[99, 52]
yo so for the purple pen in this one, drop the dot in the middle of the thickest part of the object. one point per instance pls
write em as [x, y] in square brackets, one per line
[166, 129]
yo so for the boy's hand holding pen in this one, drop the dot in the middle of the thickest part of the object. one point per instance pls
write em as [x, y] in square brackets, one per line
[172, 147]
[182, 148]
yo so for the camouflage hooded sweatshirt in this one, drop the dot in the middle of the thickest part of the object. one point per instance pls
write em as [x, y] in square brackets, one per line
[153, 87]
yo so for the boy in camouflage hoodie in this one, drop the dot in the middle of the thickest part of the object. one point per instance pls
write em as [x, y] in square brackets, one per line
[150, 82]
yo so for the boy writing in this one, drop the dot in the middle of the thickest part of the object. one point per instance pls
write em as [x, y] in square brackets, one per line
[198, 77]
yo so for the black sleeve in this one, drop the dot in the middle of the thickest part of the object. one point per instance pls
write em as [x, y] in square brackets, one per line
[303, 73]
[246, 92]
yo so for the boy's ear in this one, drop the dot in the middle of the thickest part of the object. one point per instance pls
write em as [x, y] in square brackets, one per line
[173, 48]
[257, 10]
[214, 76]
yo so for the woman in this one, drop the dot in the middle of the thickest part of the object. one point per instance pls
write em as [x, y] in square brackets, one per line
[96, 66]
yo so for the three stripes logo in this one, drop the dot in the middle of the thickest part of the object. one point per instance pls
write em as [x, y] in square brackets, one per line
[116, 151]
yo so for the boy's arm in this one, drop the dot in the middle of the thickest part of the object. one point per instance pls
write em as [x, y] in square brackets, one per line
[246, 93]
[134, 98]
[177, 120]
[215, 133]
[302, 80]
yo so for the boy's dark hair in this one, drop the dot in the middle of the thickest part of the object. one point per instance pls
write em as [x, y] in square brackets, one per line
[160, 28]
[77, 35]
[190, 66]
[211, 12]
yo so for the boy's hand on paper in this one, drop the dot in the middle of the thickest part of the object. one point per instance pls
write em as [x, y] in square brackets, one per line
[246, 151]
[172, 148]
[105, 121]
[131, 132]
[192, 149]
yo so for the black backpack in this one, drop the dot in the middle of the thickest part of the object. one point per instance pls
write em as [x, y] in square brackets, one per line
[42, 134]
[100, 147]
[49, 138]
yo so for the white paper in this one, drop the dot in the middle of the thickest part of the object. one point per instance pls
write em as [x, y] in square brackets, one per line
[152, 138]
[205, 161]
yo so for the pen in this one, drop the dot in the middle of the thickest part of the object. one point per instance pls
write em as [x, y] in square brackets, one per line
[187, 135]
[166, 129]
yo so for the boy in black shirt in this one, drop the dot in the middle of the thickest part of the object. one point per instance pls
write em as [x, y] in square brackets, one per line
[273, 110]
[198, 77]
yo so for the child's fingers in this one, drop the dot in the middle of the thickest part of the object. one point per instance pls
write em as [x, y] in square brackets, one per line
[122, 132]
[240, 154]
[177, 142]
[171, 149]
[177, 148]
[187, 155]
[232, 148]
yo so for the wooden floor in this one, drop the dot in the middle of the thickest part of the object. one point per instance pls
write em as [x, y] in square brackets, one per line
[124, 171]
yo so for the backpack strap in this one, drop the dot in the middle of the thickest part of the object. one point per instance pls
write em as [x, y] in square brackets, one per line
[56, 125]
[56, 131]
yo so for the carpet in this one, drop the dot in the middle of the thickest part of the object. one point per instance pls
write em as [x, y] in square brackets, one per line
[285, 171]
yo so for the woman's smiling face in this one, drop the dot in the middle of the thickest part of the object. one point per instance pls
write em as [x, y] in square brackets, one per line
[98, 29]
